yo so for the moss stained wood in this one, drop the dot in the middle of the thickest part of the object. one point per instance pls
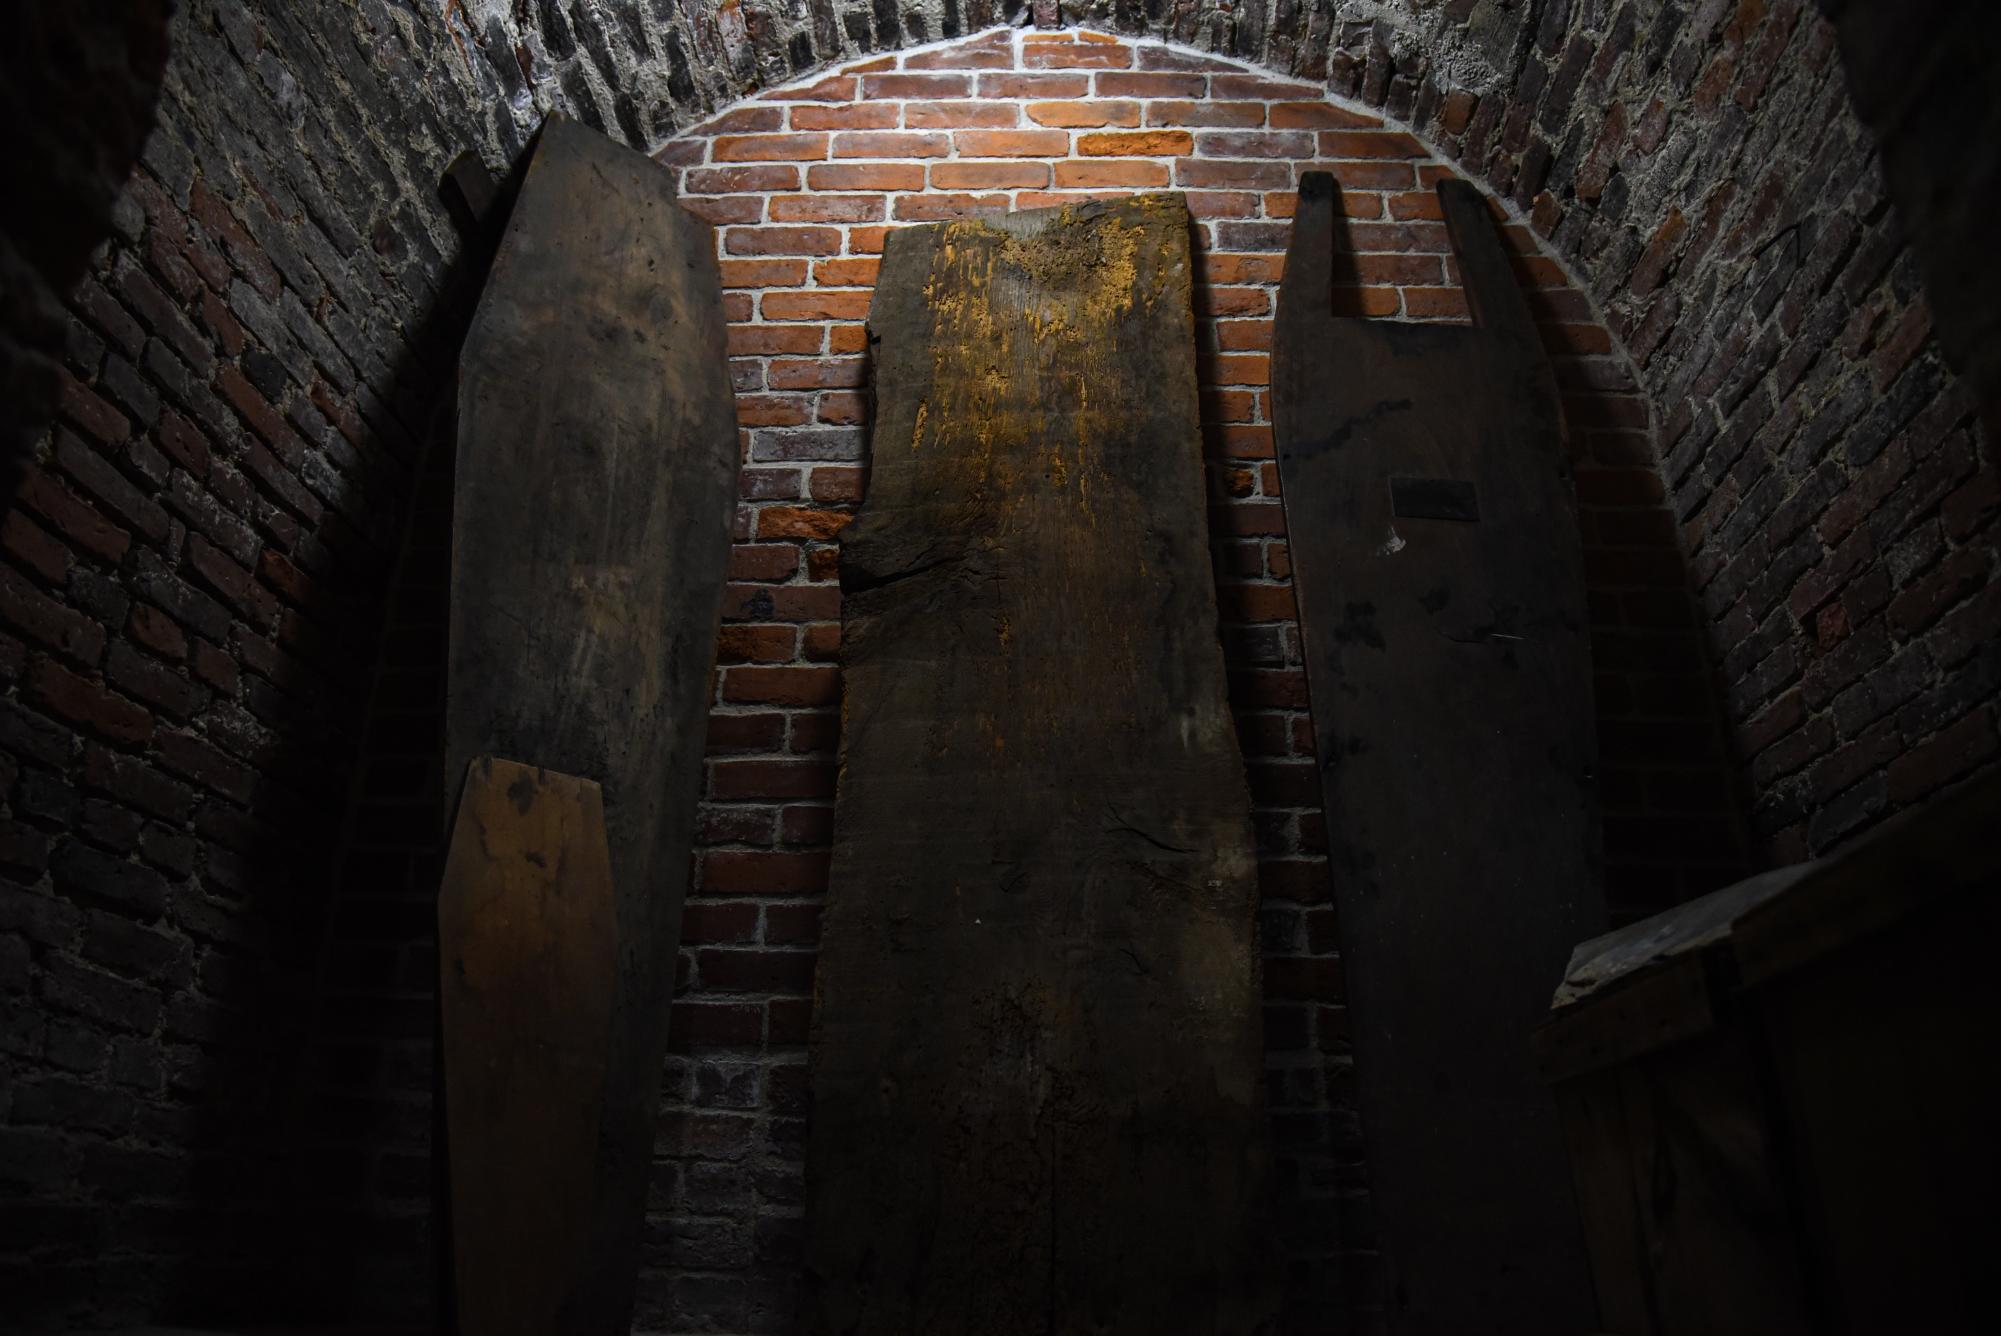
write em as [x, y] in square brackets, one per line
[1036, 1058]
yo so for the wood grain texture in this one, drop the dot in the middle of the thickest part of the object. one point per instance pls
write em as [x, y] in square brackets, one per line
[1037, 1087]
[529, 933]
[595, 491]
[1439, 578]
[1776, 1098]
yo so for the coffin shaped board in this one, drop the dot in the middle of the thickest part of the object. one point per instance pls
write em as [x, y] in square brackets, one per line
[1439, 579]
[1036, 1075]
[529, 929]
[595, 491]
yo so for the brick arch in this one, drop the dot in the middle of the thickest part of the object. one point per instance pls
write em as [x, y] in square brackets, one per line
[803, 183]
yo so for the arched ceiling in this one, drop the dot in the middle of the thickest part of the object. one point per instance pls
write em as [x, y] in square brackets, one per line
[641, 69]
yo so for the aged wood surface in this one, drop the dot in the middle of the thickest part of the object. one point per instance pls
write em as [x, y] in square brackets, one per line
[1776, 1097]
[1037, 1101]
[529, 939]
[595, 490]
[1438, 572]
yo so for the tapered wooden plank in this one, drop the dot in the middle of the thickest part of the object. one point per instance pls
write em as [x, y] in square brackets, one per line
[1036, 1069]
[1438, 573]
[529, 973]
[595, 490]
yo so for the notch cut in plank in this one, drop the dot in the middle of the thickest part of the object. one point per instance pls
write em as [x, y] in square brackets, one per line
[529, 935]
[595, 492]
[1450, 683]
[1037, 1071]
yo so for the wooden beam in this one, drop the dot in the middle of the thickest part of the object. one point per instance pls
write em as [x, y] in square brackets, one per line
[595, 492]
[1037, 1076]
[1439, 578]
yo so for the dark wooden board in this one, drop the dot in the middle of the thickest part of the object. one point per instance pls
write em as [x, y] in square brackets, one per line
[1734, 1171]
[1037, 1086]
[1450, 683]
[530, 943]
[595, 491]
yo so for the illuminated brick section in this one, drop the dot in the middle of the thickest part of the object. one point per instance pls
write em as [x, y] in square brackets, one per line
[803, 183]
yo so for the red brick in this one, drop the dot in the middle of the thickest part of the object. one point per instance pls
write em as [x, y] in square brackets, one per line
[842, 408]
[768, 340]
[865, 176]
[836, 88]
[720, 924]
[732, 180]
[90, 414]
[1260, 88]
[1136, 144]
[706, 1025]
[1951, 752]
[782, 241]
[854, 116]
[1084, 115]
[722, 210]
[1367, 144]
[1016, 86]
[771, 410]
[756, 779]
[1175, 85]
[890, 144]
[763, 731]
[1074, 56]
[768, 148]
[35, 547]
[763, 561]
[87, 704]
[728, 872]
[1226, 175]
[1011, 143]
[782, 686]
[849, 273]
[816, 304]
[1110, 173]
[789, 1021]
[1318, 115]
[934, 208]
[792, 925]
[756, 971]
[72, 517]
[759, 642]
[800, 523]
[886, 86]
[836, 486]
[960, 116]
[158, 632]
[989, 175]
[741, 120]
[818, 373]
[1229, 115]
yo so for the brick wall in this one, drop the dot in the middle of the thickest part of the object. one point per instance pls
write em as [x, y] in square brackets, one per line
[802, 183]
[78, 85]
[1700, 168]
[196, 641]
[191, 583]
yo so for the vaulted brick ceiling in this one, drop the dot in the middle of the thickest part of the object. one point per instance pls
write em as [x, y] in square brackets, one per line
[644, 68]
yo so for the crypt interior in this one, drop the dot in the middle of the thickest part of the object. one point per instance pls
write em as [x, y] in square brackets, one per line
[977, 666]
